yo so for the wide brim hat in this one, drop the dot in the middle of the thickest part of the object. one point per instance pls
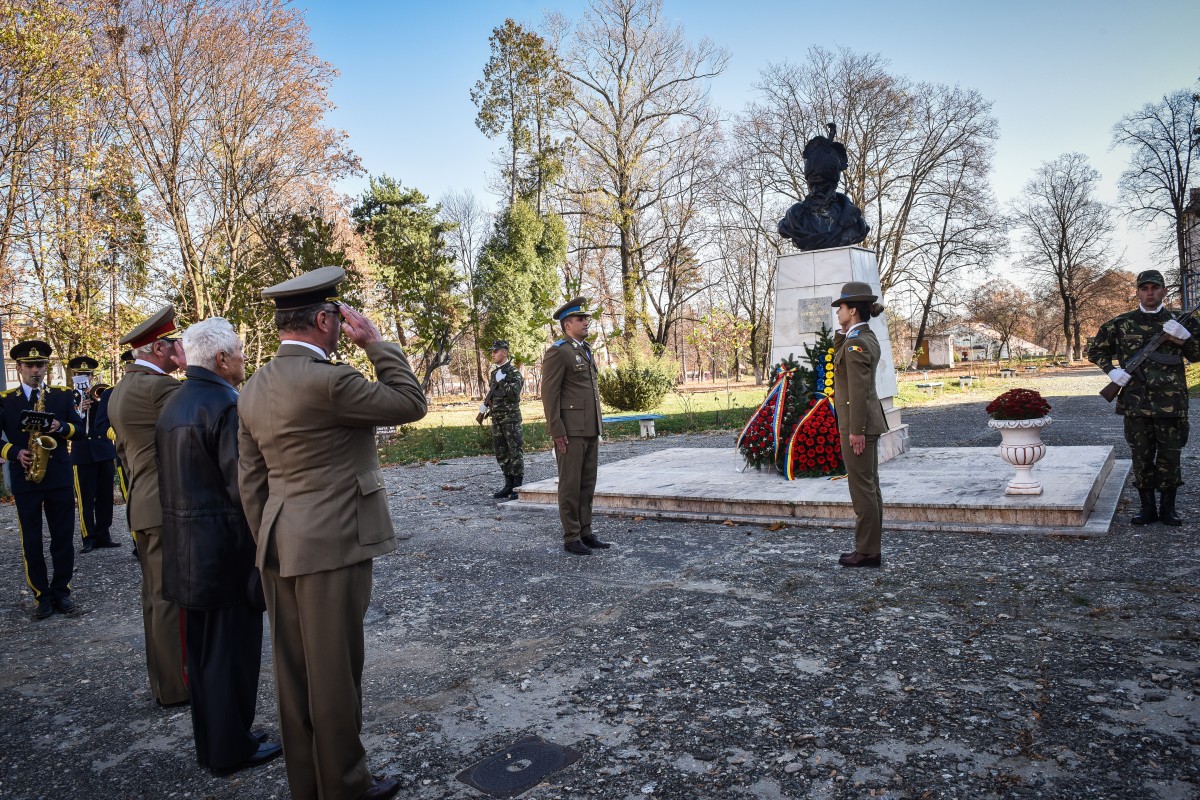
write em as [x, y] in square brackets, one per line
[159, 325]
[855, 292]
[31, 351]
[83, 364]
[310, 289]
[575, 307]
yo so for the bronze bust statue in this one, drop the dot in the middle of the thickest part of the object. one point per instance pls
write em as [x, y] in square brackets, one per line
[825, 217]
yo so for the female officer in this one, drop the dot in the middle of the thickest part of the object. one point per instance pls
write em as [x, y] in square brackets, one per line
[860, 418]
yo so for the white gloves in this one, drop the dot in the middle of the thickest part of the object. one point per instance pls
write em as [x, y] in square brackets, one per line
[1175, 328]
[1119, 376]
[483, 407]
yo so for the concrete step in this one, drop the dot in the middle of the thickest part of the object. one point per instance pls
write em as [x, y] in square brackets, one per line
[958, 489]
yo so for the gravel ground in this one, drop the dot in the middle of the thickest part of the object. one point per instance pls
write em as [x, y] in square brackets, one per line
[691, 660]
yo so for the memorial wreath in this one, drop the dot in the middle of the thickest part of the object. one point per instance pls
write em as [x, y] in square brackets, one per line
[795, 429]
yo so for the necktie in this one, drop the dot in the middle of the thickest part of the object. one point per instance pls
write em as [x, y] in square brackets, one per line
[33, 397]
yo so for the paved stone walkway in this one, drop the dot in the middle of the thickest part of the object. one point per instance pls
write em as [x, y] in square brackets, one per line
[690, 661]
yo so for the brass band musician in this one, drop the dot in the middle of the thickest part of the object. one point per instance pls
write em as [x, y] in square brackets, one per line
[93, 457]
[38, 420]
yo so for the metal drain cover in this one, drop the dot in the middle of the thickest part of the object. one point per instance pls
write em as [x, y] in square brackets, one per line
[518, 767]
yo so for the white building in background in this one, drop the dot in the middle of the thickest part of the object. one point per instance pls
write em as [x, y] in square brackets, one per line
[977, 342]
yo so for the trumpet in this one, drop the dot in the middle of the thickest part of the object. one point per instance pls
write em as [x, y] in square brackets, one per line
[94, 392]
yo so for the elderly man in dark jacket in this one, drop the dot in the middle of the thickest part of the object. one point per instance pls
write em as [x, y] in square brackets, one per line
[208, 552]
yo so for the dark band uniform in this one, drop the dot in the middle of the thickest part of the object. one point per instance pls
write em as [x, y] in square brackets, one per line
[93, 457]
[856, 403]
[53, 496]
[133, 408]
[571, 400]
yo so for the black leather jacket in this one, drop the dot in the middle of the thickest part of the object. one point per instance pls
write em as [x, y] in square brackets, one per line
[208, 552]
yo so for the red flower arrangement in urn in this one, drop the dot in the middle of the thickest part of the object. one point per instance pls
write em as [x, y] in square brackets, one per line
[1018, 404]
[1020, 415]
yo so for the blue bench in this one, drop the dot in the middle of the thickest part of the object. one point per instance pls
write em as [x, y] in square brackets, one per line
[645, 421]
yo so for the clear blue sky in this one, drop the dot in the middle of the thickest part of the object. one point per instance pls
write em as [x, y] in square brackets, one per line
[1060, 72]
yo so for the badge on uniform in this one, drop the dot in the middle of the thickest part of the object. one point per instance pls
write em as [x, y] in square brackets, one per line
[852, 334]
[578, 359]
[855, 349]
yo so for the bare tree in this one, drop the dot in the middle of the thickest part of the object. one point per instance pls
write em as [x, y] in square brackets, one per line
[1002, 306]
[957, 230]
[471, 221]
[222, 103]
[1164, 139]
[1066, 235]
[636, 80]
[748, 246]
[899, 135]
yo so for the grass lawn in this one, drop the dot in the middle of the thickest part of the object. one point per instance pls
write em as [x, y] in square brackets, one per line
[449, 430]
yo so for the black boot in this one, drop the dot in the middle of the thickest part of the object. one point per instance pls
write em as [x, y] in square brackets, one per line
[516, 482]
[506, 491]
[1149, 513]
[1166, 511]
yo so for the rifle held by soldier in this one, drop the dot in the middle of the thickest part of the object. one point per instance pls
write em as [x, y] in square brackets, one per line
[1133, 366]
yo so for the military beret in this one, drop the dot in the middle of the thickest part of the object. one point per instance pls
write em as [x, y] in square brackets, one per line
[855, 292]
[83, 364]
[159, 325]
[1150, 276]
[499, 344]
[310, 289]
[31, 351]
[575, 307]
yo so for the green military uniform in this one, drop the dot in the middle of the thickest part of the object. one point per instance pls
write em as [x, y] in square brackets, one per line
[133, 409]
[571, 400]
[504, 401]
[859, 412]
[1155, 402]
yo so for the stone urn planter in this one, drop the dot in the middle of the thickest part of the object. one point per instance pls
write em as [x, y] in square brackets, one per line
[1021, 446]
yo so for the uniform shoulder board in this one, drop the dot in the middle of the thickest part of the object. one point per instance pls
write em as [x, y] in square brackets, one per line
[559, 343]
[852, 334]
[10, 392]
[63, 388]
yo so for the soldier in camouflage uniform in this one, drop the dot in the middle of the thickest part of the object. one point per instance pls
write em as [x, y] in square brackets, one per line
[503, 403]
[1154, 400]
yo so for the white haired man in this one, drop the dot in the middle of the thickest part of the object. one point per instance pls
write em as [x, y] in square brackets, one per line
[208, 552]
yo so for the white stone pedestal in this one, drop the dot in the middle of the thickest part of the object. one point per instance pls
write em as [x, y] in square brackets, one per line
[806, 284]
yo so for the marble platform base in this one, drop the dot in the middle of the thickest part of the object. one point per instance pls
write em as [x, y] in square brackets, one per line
[957, 489]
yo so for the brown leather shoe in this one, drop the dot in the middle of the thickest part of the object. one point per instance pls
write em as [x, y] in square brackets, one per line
[860, 560]
[381, 789]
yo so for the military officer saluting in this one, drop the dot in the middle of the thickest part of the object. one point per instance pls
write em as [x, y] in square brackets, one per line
[1154, 402]
[571, 400]
[42, 486]
[503, 404]
[93, 459]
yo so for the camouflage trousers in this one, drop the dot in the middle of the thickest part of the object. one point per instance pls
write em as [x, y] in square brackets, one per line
[509, 445]
[1156, 444]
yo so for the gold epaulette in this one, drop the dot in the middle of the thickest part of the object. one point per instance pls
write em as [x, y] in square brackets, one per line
[12, 391]
[63, 388]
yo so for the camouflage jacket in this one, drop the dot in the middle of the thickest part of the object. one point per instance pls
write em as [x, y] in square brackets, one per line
[1159, 388]
[505, 393]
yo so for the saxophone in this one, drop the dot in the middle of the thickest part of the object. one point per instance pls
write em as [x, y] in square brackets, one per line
[40, 444]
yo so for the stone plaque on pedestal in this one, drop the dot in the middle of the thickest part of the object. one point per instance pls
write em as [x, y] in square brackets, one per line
[805, 285]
